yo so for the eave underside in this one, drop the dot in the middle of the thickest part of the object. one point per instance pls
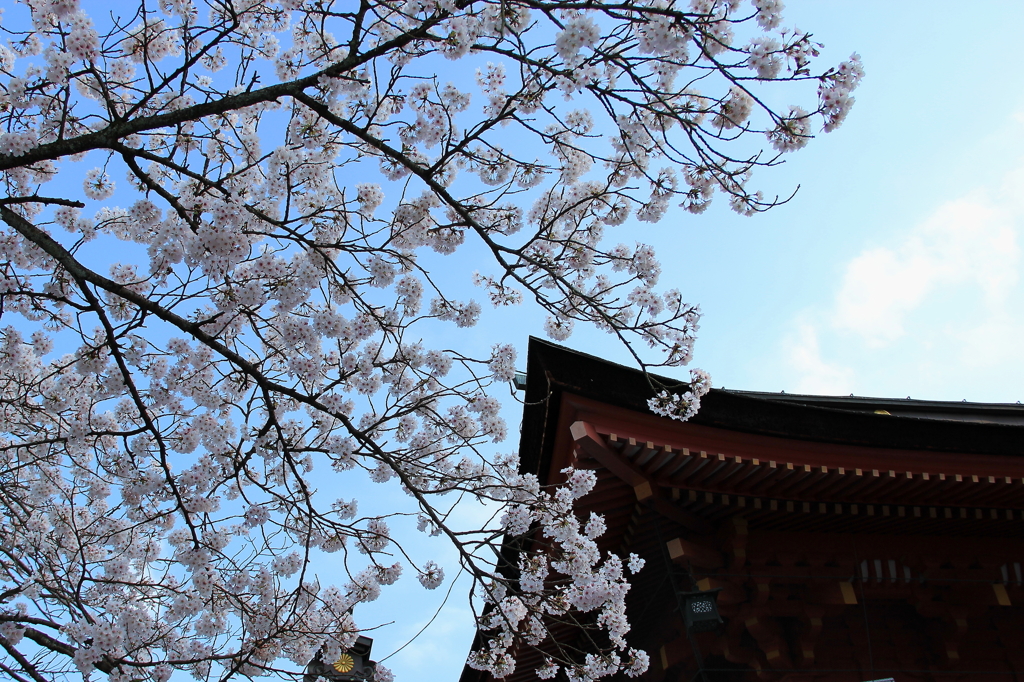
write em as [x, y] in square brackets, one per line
[820, 549]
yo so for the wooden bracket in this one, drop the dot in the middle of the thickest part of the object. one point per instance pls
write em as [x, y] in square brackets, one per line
[593, 444]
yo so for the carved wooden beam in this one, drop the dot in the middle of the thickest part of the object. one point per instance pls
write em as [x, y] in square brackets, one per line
[647, 491]
[731, 592]
[680, 551]
[673, 512]
[591, 442]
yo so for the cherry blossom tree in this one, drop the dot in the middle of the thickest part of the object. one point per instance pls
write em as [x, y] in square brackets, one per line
[225, 233]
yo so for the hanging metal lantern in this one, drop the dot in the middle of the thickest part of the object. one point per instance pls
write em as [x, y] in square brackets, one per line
[353, 664]
[700, 610]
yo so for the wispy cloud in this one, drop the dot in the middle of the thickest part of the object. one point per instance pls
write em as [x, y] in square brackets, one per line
[813, 374]
[966, 242]
[943, 293]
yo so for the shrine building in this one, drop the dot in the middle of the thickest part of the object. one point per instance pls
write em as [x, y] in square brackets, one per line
[849, 539]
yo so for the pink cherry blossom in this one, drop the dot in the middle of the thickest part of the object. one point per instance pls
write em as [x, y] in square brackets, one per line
[237, 245]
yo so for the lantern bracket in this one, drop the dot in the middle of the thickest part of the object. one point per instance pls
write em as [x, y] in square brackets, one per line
[700, 610]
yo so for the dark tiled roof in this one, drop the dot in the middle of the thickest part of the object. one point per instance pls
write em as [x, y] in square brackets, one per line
[996, 429]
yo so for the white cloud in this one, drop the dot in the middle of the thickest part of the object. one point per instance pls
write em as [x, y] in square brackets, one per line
[814, 375]
[937, 311]
[966, 242]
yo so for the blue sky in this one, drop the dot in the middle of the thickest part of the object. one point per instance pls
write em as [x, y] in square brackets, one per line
[895, 271]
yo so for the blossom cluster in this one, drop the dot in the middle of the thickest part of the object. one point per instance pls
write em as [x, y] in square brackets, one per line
[568, 575]
[682, 406]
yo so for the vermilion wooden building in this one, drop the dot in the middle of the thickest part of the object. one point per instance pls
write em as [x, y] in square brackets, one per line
[852, 538]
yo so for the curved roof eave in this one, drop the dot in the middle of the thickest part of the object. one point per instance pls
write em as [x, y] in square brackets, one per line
[981, 428]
